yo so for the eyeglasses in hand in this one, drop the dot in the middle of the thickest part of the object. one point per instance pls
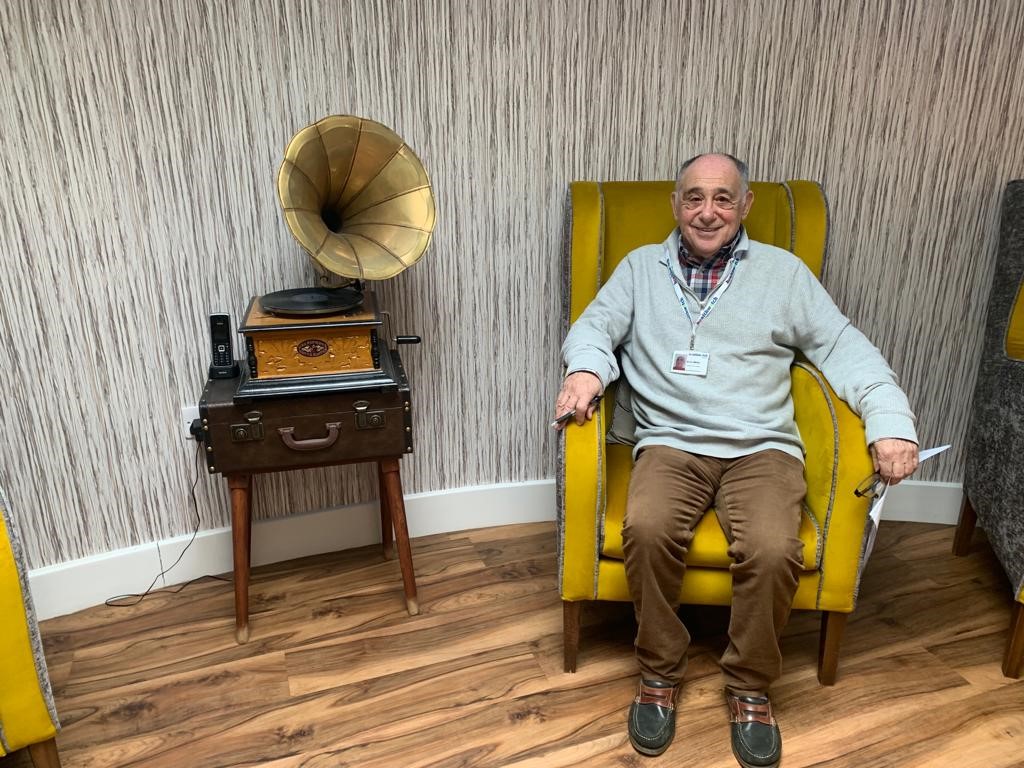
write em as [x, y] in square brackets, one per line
[871, 487]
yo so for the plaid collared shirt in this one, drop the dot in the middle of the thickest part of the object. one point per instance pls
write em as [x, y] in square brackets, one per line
[703, 276]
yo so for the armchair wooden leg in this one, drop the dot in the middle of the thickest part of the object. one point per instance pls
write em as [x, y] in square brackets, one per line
[44, 754]
[1013, 660]
[571, 611]
[832, 625]
[964, 528]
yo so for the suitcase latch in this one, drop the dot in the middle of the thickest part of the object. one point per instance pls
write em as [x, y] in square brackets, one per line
[250, 431]
[367, 419]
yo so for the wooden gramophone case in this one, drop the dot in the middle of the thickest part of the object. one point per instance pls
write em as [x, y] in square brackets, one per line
[306, 355]
[284, 347]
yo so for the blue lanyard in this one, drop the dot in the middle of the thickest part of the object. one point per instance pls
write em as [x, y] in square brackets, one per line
[708, 304]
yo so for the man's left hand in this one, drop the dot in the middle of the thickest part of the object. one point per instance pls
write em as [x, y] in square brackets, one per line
[894, 459]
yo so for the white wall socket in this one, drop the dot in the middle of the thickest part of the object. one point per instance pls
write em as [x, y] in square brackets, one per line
[188, 414]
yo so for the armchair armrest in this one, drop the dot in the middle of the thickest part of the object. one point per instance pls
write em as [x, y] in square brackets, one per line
[837, 460]
[581, 504]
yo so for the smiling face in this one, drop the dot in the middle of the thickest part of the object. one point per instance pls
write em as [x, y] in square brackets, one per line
[709, 204]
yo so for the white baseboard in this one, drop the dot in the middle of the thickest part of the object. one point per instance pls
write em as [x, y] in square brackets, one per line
[68, 587]
[913, 501]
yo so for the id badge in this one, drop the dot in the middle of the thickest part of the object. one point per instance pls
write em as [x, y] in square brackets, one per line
[690, 363]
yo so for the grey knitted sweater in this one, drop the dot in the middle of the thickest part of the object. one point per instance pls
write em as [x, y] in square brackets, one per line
[772, 307]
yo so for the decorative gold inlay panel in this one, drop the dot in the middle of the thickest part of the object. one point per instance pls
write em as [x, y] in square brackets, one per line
[283, 354]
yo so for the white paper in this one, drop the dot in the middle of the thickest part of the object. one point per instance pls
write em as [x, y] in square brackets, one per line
[875, 512]
[874, 518]
[929, 452]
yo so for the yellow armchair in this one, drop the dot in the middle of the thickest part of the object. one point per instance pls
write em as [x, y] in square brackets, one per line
[607, 221]
[28, 717]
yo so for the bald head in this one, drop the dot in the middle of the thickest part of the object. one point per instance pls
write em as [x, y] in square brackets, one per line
[739, 165]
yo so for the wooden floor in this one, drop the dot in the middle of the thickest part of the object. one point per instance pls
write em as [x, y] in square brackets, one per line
[336, 674]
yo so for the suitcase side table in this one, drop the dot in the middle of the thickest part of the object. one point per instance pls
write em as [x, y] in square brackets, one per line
[286, 433]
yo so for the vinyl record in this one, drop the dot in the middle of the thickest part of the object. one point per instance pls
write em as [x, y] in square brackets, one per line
[311, 301]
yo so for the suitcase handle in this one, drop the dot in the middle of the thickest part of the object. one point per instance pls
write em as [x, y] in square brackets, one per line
[314, 443]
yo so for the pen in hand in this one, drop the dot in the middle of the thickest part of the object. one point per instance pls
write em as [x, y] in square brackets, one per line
[570, 414]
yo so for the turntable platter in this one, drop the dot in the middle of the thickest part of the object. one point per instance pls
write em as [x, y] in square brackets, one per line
[311, 302]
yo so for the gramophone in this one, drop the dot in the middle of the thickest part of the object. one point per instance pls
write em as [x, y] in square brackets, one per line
[357, 199]
[320, 385]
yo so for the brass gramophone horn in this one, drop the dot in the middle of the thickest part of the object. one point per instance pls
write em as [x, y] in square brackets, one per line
[356, 198]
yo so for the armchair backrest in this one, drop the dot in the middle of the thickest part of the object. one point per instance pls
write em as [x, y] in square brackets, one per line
[609, 219]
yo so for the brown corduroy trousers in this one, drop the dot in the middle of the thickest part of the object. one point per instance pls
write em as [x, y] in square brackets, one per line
[757, 499]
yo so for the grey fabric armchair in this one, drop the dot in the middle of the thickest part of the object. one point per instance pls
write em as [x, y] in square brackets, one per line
[994, 480]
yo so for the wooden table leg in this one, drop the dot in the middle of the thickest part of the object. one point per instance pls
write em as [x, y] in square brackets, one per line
[241, 538]
[392, 483]
[385, 515]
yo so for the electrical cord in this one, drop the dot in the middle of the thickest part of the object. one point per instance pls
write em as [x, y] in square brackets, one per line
[128, 600]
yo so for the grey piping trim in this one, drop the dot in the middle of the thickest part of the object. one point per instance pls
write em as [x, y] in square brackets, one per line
[599, 511]
[602, 502]
[35, 639]
[828, 227]
[862, 561]
[599, 507]
[600, 238]
[560, 509]
[560, 456]
[567, 262]
[835, 472]
[819, 542]
[3, 741]
[792, 217]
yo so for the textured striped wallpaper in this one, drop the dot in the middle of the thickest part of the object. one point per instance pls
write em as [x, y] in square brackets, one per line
[141, 142]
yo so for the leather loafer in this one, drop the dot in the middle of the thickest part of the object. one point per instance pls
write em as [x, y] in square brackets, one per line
[652, 717]
[756, 741]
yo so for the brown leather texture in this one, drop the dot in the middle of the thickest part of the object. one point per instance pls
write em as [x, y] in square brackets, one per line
[270, 434]
[663, 697]
[746, 712]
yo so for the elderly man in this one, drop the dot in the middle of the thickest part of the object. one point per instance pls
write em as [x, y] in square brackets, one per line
[707, 324]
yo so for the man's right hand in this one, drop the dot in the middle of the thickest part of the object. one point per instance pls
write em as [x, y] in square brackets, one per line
[578, 392]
